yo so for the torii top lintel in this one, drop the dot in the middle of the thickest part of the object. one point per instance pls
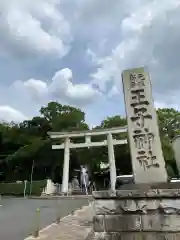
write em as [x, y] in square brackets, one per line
[94, 132]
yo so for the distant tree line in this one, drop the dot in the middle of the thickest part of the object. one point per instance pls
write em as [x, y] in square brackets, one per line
[26, 145]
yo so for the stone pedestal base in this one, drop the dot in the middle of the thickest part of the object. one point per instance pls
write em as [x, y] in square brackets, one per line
[141, 213]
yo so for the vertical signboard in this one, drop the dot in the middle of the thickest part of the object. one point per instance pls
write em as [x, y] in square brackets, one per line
[146, 153]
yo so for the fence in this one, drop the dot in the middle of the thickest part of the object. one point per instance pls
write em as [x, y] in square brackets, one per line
[22, 188]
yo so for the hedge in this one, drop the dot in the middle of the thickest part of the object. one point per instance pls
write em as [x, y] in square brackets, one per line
[17, 189]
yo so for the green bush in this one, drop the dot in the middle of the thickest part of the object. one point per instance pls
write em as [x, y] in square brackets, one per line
[17, 189]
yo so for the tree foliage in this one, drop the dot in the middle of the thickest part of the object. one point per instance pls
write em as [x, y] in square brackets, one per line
[27, 143]
[169, 122]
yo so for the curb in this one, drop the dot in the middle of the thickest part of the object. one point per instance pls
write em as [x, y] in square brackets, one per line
[89, 235]
[60, 197]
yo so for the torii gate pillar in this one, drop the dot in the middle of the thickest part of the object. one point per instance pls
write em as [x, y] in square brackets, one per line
[65, 179]
[112, 164]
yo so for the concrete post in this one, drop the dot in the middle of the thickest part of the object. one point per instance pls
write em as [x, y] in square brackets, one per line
[66, 166]
[112, 164]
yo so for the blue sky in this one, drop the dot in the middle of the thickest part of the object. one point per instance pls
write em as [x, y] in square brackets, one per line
[74, 52]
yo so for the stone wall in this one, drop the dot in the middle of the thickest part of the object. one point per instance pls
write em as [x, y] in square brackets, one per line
[152, 214]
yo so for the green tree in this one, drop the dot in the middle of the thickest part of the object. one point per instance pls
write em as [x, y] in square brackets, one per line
[115, 121]
[34, 143]
[27, 142]
[122, 155]
[169, 126]
[169, 122]
[37, 126]
[64, 117]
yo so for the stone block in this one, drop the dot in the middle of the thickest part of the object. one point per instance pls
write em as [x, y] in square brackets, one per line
[170, 206]
[102, 236]
[161, 223]
[146, 236]
[130, 193]
[145, 191]
[136, 236]
[141, 191]
[118, 223]
[128, 206]
[98, 223]
[104, 194]
[138, 214]
[147, 206]
[170, 192]
[107, 207]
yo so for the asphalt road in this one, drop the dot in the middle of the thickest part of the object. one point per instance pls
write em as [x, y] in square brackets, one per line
[18, 216]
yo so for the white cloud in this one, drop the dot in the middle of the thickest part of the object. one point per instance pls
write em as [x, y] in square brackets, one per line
[112, 36]
[9, 114]
[60, 88]
[78, 94]
[172, 101]
[37, 88]
[111, 66]
[23, 26]
[144, 15]
[98, 20]
[150, 37]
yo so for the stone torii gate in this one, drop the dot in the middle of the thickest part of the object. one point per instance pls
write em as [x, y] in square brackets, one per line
[67, 145]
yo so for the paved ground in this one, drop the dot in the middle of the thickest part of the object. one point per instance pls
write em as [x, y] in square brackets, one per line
[18, 216]
[73, 227]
